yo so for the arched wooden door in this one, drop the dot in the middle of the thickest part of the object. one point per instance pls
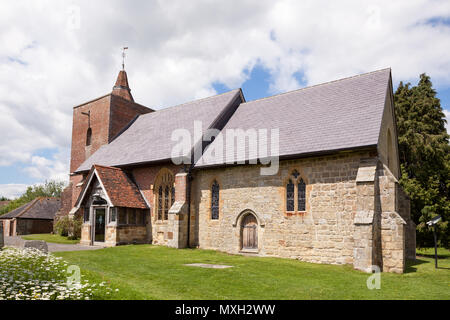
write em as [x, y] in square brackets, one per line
[249, 232]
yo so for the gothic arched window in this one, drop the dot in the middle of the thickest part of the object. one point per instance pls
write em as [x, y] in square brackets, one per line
[295, 193]
[166, 203]
[172, 196]
[290, 196]
[215, 200]
[301, 195]
[88, 136]
[160, 203]
[165, 195]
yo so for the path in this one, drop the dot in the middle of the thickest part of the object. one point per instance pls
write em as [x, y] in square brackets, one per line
[52, 247]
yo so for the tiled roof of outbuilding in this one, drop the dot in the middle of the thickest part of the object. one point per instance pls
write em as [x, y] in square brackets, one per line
[39, 208]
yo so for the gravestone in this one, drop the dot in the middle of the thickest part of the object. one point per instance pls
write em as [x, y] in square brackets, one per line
[37, 244]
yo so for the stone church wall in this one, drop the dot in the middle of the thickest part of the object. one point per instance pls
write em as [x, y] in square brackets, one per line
[322, 234]
[146, 177]
[352, 216]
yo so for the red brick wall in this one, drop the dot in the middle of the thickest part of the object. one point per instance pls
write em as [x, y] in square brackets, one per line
[66, 202]
[122, 112]
[100, 130]
[181, 187]
[74, 181]
[145, 178]
[108, 116]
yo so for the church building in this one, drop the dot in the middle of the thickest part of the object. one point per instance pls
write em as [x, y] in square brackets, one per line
[328, 192]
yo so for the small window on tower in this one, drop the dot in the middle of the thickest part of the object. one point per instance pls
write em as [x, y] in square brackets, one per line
[88, 137]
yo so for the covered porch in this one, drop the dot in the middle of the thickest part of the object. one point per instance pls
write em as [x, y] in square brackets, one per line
[112, 208]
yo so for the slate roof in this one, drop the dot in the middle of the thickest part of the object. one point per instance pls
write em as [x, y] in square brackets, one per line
[121, 190]
[39, 208]
[342, 114]
[148, 139]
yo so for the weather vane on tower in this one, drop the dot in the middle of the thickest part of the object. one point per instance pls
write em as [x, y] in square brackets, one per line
[123, 57]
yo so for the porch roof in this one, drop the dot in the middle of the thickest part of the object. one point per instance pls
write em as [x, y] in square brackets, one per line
[117, 185]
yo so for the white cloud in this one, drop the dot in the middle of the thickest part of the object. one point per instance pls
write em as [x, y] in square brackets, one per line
[52, 58]
[12, 191]
[56, 168]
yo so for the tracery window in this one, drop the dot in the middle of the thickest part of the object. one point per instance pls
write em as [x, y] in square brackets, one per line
[301, 195]
[160, 203]
[166, 203]
[215, 200]
[172, 197]
[290, 196]
[165, 197]
[295, 193]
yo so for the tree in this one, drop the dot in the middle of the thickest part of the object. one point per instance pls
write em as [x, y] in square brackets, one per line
[424, 152]
[3, 198]
[48, 189]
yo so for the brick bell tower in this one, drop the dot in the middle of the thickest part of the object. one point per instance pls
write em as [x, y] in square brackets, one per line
[96, 123]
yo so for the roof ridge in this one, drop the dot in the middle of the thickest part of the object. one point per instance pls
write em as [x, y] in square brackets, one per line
[45, 198]
[192, 101]
[108, 167]
[319, 84]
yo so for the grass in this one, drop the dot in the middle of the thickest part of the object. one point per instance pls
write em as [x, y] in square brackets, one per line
[53, 238]
[156, 272]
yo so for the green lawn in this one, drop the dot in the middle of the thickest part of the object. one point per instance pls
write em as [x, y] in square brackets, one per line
[54, 238]
[154, 272]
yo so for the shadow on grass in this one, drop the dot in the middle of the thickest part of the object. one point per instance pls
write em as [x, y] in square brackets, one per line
[431, 256]
[411, 263]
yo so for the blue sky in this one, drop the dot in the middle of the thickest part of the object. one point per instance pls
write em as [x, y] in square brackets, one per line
[56, 56]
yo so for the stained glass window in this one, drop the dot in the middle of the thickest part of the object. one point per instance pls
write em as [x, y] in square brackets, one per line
[160, 195]
[173, 196]
[166, 203]
[215, 201]
[301, 194]
[290, 196]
